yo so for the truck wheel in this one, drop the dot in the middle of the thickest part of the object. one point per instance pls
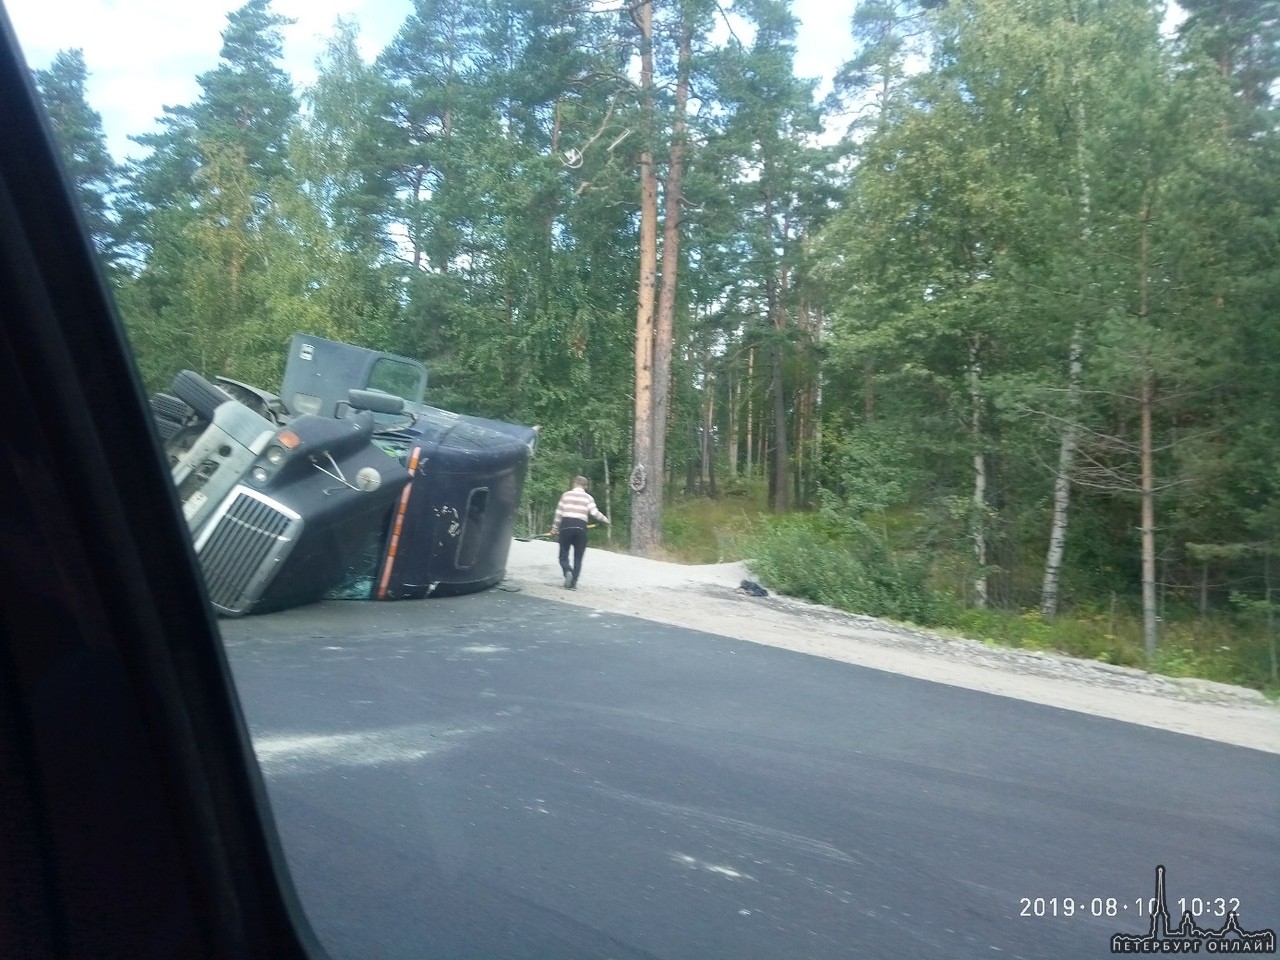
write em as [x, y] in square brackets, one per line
[198, 393]
[169, 407]
[169, 413]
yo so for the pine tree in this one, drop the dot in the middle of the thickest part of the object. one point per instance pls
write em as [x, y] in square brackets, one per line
[248, 99]
[197, 208]
[78, 131]
[246, 102]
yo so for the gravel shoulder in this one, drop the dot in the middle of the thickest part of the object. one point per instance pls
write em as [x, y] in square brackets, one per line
[707, 598]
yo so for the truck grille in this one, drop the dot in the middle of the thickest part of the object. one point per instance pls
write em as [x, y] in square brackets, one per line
[242, 547]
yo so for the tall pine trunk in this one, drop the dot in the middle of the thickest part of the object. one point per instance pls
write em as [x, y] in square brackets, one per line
[1147, 482]
[781, 490]
[706, 441]
[608, 499]
[1149, 610]
[646, 476]
[735, 398]
[749, 433]
[664, 331]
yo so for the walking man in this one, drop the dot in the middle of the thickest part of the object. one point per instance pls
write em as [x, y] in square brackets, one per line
[575, 508]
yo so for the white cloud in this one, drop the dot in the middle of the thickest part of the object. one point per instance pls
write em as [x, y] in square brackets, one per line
[824, 39]
[144, 55]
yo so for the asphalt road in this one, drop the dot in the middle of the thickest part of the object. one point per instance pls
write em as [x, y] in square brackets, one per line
[496, 776]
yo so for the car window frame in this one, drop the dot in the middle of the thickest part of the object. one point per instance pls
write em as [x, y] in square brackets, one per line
[136, 821]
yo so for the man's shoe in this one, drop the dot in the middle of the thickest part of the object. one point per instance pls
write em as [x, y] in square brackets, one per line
[568, 580]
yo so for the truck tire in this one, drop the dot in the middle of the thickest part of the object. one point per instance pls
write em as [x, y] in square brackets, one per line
[169, 414]
[198, 393]
[170, 407]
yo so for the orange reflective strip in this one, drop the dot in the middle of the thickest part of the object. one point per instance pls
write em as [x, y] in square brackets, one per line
[394, 545]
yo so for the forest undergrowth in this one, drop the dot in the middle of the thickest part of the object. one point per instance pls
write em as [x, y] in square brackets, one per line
[797, 555]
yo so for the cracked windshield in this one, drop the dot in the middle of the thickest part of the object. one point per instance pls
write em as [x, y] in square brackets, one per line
[696, 480]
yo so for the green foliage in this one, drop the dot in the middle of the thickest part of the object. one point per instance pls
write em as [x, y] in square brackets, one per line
[803, 556]
[1087, 637]
[1027, 181]
[1219, 647]
[870, 470]
[248, 98]
[697, 529]
[77, 129]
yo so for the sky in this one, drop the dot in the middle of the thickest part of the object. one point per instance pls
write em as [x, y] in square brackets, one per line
[143, 55]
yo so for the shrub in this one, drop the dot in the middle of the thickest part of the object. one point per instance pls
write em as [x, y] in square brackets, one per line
[852, 570]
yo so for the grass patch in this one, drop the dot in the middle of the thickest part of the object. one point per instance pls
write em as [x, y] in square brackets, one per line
[705, 530]
[1218, 646]
[1081, 637]
[801, 556]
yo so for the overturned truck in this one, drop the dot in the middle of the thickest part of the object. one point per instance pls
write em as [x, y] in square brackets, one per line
[344, 484]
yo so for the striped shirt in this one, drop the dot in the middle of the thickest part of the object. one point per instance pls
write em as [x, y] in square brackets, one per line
[579, 506]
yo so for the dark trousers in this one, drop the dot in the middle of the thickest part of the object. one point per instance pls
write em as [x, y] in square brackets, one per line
[575, 537]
